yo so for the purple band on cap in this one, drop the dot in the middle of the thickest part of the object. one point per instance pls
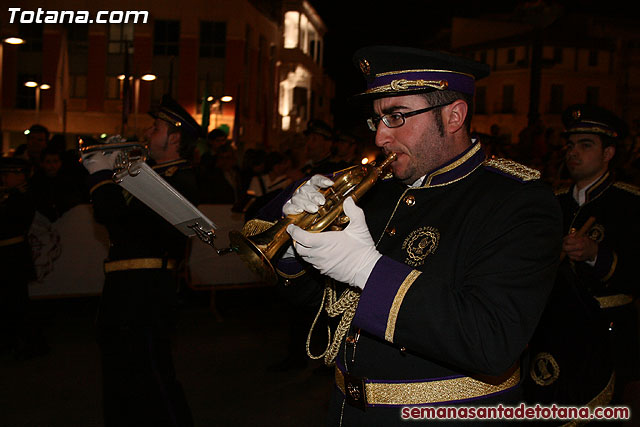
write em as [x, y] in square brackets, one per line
[415, 80]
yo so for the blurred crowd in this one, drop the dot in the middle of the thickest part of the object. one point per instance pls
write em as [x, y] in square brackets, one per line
[247, 179]
[543, 148]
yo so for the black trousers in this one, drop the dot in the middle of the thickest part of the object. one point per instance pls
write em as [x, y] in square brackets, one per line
[139, 380]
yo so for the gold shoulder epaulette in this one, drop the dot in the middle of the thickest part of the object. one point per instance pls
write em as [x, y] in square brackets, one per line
[630, 188]
[513, 169]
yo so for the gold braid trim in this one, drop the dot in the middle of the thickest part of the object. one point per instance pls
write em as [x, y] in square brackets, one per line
[100, 184]
[614, 264]
[404, 84]
[602, 399]
[346, 306]
[514, 169]
[627, 187]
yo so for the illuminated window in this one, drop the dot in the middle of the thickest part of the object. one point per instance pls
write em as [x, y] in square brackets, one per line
[300, 33]
[293, 104]
[291, 29]
[304, 33]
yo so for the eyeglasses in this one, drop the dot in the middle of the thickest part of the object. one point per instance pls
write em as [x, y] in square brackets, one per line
[397, 119]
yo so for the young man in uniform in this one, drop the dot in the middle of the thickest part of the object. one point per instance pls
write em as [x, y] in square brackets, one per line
[598, 283]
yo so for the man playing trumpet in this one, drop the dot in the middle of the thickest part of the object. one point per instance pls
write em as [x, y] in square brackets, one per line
[134, 318]
[446, 266]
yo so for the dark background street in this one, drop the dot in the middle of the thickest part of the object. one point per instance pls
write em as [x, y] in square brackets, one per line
[222, 366]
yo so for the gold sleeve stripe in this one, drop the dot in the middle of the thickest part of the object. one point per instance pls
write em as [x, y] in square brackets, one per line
[614, 264]
[397, 302]
[100, 184]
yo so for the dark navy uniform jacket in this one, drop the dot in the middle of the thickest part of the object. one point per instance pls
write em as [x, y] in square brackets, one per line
[598, 316]
[469, 258]
[616, 208]
[136, 231]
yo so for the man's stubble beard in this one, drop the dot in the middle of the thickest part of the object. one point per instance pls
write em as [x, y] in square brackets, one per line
[426, 156]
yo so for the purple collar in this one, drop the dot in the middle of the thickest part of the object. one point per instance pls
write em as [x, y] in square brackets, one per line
[456, 168]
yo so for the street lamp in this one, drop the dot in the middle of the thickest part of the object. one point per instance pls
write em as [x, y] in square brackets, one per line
[12, 41]
[136, 93]
[38, 87]
[217, 105]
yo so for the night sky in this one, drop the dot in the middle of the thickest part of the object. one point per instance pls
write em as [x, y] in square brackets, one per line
[352, 24]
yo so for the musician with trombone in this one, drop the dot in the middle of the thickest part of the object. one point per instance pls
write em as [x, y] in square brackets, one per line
[590, 329]
[446, 266]
[139, 383]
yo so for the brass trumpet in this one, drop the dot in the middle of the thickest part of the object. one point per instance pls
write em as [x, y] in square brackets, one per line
[257, 251]
[129, 152]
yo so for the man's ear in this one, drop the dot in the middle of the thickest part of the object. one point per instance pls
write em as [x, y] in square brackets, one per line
[455, 115]
[609, 152]
[174, 138]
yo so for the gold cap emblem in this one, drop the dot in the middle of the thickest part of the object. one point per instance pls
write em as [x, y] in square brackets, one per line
[576, 114]
[365, 67]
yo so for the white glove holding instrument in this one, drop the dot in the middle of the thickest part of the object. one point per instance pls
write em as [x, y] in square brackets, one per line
[94, 162]
[307, 197]
[347, 256]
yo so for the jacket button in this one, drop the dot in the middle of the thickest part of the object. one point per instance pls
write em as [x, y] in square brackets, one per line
[410, 200]
[391, 231]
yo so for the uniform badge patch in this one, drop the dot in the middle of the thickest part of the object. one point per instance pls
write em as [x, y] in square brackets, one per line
[419, 244]
[544, 369]
[596, 233]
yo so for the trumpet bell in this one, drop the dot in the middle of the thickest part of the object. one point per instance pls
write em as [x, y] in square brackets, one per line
[253, 257]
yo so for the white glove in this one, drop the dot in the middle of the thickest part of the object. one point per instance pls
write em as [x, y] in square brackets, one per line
[307, 197]
[347, 256]
[95, 162]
